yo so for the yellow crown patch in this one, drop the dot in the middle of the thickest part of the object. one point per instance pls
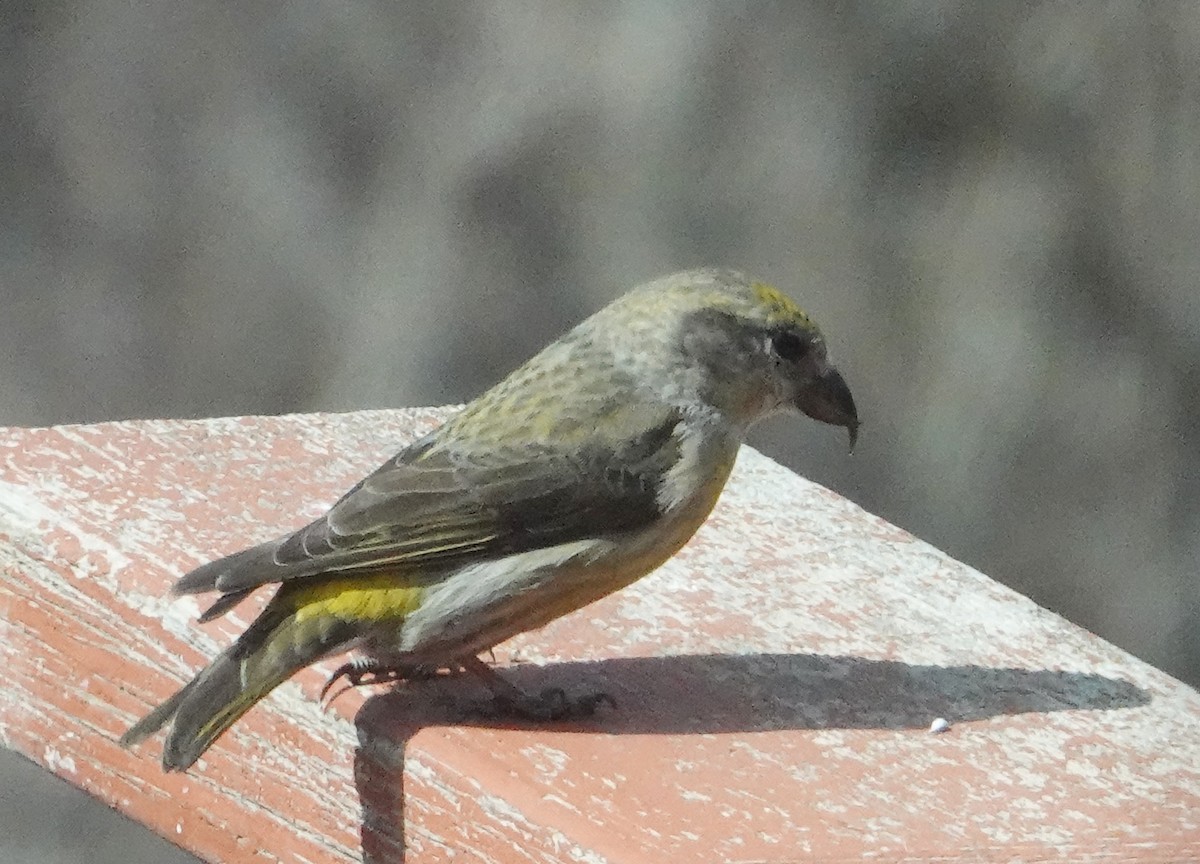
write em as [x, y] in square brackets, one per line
[780, 306]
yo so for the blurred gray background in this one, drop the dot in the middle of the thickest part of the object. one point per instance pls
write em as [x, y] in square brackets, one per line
[993, 209]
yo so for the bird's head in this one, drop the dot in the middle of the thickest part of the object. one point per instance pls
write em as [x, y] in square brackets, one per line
[754, 351]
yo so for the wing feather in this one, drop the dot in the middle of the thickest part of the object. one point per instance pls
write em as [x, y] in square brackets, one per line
[434, 506]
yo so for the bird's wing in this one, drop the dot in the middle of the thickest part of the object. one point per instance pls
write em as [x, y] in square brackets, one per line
[433, 507]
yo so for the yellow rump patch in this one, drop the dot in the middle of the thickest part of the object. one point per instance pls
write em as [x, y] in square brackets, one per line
[356, 598]
[780, 306]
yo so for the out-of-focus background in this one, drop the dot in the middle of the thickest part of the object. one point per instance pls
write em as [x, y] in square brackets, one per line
[994, 210]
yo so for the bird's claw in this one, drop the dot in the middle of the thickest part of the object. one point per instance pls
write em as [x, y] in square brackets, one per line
[364, 672]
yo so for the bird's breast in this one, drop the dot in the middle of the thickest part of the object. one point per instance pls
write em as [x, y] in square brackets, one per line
[486, 602]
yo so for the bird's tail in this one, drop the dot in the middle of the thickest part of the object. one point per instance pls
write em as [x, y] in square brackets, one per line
[276, 646]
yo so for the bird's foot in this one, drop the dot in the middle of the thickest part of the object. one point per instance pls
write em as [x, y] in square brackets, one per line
[365, 671]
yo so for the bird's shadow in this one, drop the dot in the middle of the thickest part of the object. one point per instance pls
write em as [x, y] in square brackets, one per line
[711, 693]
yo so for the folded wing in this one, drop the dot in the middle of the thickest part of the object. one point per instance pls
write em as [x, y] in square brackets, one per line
[434, 507]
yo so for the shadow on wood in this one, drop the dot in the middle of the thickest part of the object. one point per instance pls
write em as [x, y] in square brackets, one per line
[710, 694]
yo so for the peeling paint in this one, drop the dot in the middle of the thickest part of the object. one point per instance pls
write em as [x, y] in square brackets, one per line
[58, 762]
[776, 682]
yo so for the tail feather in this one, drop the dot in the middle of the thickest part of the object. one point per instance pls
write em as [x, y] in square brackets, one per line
[274, 648]
[157, 718]
[215, 703]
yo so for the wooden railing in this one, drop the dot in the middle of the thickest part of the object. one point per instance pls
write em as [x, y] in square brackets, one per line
[775, 683]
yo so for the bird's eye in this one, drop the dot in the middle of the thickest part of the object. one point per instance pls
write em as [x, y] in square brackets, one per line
[789, 346]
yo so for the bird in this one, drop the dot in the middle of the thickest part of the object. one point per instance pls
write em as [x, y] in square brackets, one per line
[585, 469]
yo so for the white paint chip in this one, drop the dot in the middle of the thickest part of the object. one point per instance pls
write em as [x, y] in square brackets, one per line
[58, 762]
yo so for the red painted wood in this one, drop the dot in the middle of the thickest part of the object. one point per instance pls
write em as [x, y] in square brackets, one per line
[775, 683]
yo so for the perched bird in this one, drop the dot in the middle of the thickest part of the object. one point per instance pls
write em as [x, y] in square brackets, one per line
[582, 471]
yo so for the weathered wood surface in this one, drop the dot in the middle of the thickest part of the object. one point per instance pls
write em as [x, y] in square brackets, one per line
[775, 683]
